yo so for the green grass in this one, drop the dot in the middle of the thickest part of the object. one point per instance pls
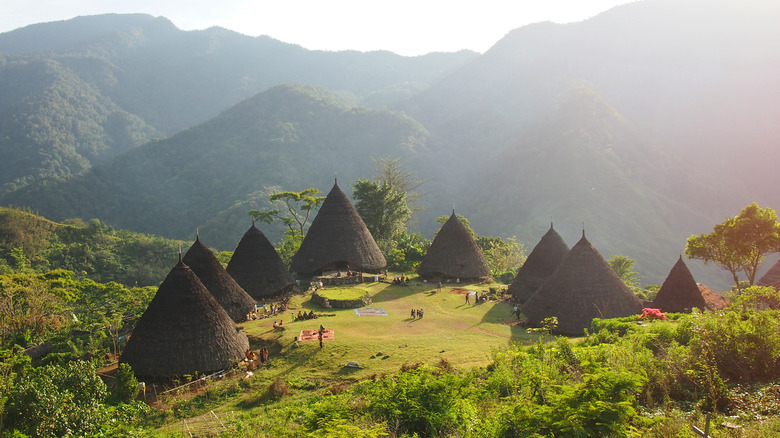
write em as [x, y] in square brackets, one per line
[343, 292]
[464, 335]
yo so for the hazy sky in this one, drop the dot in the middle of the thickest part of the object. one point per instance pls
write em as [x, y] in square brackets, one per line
[406, 27]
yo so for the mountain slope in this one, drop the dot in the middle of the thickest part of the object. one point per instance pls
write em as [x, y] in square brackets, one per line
[289, 136]
[75, 92]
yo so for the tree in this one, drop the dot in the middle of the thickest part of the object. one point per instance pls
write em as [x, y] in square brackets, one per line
[383, 209]
[503, 256]
[739, 244]
[391, 172]
[623, 267]
[299, 206]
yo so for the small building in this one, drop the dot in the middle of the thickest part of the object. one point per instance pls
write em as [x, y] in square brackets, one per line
[582, 288]
[338, 239]
[453, 254]
[184, 331]
[679, 293]
[257, 267]
[540, 264]
[232, 297]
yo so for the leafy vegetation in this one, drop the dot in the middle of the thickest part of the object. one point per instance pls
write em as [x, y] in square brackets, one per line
[739, 243]
[94, 250]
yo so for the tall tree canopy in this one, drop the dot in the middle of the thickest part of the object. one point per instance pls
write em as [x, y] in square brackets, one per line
[739, 244]
[299, 206]
[384, 210]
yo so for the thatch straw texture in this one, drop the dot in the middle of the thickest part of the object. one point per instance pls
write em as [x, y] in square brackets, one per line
[257, 267]
[454, 254]
[540, 264]
[771, 277]
[714, 300]
[337, 239]
[679, 293]
[236, 302]
[583, 287]
[183, 331]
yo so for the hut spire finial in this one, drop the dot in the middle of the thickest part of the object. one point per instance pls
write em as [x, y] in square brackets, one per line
[197, 233]
[180, 260]
[583, 228]
[335, 178]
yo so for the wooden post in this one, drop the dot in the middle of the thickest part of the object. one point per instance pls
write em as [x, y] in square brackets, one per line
[706, 432]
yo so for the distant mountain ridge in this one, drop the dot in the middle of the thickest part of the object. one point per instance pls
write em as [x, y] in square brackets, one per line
[128, 79]
[650, 122]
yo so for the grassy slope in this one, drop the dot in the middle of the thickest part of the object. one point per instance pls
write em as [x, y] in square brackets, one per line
[464, 335]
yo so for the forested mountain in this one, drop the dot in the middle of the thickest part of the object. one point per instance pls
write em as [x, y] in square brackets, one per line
[289, 136]
[81, 91]
[650, 122]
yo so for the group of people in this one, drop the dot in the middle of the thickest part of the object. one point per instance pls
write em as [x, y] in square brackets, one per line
[278, 324]
[303, 316]
[252, 357]
[402, 279]
[478, 298]
[417, 313]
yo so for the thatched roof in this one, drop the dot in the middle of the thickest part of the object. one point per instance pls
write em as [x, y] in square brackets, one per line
[679, 293]
[257, 267]
[714, 300]
[540, 264]
[454, 254]
[771, 277]
[337, 239]
[183, 331]
[583, 287]
[236, 302]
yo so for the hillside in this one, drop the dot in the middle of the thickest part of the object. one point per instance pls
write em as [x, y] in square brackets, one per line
[674, 131]
[92, 250]
[78, 92]
[289, 136]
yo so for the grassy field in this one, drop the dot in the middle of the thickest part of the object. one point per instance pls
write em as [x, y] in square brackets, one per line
[463, 334]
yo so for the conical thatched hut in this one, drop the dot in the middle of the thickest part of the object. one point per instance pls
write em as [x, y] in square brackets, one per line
[679, 293]
[257, 267]
[539, 265]
[583, 287]
[337, 239]
[183, 331]
[236, 302]
[771, 277]
[453, 254]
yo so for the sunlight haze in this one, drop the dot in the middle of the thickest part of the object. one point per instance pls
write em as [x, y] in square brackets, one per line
[404, 27]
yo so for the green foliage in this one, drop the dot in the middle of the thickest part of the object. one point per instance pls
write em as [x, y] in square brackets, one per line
[289, 246]
[503, 256]
[384, 210]
[298, 205]
[36, 307]
[126, 384]
[56, 401]
[623, 267]
[422, 401]
[739, 244]
[95, 250]
[409, 252]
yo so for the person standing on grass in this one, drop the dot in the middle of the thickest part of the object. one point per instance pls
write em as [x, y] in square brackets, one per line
[414, 313]
[322, 343]
[468, 300]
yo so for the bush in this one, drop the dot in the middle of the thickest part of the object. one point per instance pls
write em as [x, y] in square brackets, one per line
[55, 401]
[126, 384]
